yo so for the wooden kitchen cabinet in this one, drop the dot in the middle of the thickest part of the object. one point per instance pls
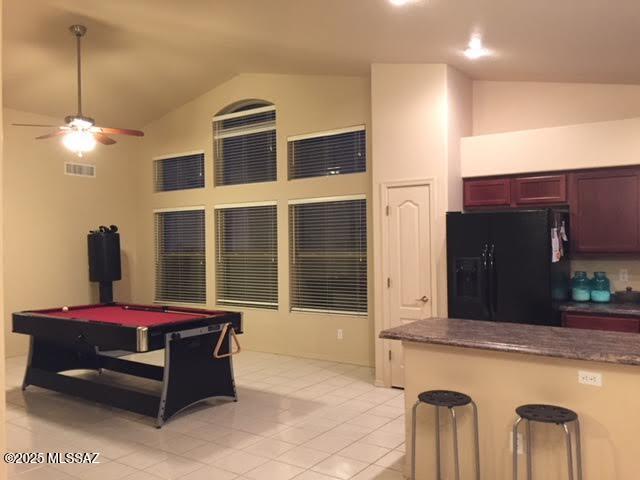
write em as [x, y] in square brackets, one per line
[604, 203]
[601, 322]
[521, 191]
[605, 210]
[487, 192]
[539, 190]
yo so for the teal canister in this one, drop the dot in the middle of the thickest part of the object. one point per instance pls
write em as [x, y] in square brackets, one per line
[600, 288]
[580, 287]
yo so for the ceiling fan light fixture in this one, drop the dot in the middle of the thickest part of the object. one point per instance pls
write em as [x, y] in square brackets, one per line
[81, 123]
[79, 141]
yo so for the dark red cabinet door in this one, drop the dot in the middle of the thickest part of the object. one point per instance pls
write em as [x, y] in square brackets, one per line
[540, 190]
[487, 192]
[605, 211]
[599, 322]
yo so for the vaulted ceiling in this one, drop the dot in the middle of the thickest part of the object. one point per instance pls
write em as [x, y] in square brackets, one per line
[146, 57]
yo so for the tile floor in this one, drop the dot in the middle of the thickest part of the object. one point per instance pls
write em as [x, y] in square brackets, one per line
[295, 419]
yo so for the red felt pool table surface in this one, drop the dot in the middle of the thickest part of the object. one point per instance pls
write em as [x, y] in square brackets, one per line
[134, 315]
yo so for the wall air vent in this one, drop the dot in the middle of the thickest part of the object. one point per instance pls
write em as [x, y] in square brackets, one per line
[79, 169]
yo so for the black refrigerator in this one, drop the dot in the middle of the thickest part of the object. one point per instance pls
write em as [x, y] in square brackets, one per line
[500, 265]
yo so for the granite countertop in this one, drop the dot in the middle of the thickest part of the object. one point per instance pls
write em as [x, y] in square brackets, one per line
[570, 343]
[602, 308]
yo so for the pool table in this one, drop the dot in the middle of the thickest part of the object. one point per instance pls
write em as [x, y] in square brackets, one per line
[198, 348]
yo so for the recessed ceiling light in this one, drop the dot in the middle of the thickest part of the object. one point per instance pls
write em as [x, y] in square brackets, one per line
[476, 49]
[399, 3]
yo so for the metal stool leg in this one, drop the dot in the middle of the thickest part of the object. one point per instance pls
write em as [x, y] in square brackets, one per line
[514, 442]
[477, 435]
[440, 399]
[438, 466]
[529, 457]
[454, 426]
[413, 440]
[567, 434]
[578, 449]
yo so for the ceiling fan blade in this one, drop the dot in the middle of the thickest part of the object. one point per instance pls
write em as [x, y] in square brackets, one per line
[32, 125]
[118, 131]
[103, 139]
[52, 134]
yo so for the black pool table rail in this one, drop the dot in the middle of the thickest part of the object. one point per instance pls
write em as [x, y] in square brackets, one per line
[113, 336]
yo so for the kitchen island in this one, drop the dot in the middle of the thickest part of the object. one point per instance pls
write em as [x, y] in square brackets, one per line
[504, 365]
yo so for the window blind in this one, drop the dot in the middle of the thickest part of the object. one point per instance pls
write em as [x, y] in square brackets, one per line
[179, 173]
[328, 256]
[247, 256]
[331, 153]
[180, 256]
[245, 146]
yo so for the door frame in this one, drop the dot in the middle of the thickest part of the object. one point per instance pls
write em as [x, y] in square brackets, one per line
[383, 320]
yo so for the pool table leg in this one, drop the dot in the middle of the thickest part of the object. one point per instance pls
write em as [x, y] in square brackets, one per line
[53, 357]
[191, 373]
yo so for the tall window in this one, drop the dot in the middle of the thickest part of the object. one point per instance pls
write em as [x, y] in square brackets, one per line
[247, 255]
[328, 153]
[180, 256]
[328, 255]
[245, 145]
[179, 173]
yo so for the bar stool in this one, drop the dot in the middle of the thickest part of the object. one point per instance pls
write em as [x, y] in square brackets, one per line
[451, 400]
[547, 414]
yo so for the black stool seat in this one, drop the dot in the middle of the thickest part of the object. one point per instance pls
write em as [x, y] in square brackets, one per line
[547, 414]
[444, 398]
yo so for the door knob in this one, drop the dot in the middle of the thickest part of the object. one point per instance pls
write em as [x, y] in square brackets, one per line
[424, 299]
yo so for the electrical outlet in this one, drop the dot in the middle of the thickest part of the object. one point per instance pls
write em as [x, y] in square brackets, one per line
[340, 337]
[520, 444]
[623, 275]
[590, 378]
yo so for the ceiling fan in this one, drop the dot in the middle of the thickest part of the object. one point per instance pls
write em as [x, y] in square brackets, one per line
[80, 133]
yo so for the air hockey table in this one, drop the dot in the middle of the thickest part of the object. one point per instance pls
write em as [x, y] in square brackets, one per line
[198, 348]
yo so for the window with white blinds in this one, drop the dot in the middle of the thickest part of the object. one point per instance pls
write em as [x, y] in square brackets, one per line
[180, 256]
[245, 146]
[328, 255]
[179, 173]
[329, 153]
[247, 255]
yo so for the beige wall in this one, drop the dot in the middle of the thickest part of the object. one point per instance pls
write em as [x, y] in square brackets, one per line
[509, 106]
[587, 145]
[419, 113]
[459, 124]
[304, 104]
[499, 382]
[47, 216]
[534, 126]
[521, 111]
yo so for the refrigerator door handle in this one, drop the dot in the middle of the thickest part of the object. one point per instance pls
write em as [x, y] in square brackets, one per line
[486, 279]
[493, 281]
[483, 256]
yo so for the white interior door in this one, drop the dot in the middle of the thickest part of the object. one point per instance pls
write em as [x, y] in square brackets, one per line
[409, 261]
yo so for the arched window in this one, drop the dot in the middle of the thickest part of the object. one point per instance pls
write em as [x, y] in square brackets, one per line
[244, 143]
